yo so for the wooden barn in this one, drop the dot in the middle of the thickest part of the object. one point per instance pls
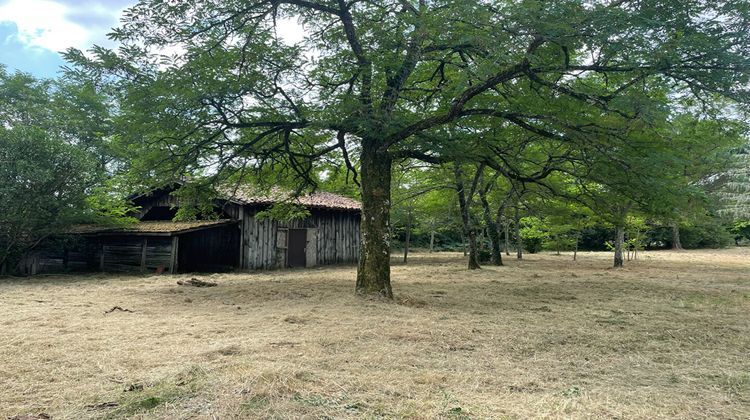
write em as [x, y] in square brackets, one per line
[237, 240]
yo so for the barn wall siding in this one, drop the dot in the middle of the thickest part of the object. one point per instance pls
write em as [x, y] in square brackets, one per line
[126, 253]
[263, 240]
[209, 250]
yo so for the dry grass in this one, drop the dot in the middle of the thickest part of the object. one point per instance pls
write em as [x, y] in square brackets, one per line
[668, 336]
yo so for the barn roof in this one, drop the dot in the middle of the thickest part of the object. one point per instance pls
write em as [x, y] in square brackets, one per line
[252, 195]
[320, 199]
[151, 227]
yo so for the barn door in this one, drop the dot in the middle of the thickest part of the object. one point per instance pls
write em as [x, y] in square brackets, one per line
[296, 248]
[312, 247]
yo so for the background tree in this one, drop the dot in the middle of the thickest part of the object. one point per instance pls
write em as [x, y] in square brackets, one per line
[50, 166]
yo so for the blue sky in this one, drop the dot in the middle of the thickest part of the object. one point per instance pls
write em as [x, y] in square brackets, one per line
[33, 32]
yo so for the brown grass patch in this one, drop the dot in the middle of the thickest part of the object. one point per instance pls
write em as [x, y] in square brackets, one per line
[666, 337]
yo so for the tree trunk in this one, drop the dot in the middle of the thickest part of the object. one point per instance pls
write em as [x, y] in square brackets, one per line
[373, 272]
[676, 243]
[408, 235]
[432, 240]
[619, 241]
[519, 240]
[468, 228]
[507, 238]
[493, 230]
[575, 249]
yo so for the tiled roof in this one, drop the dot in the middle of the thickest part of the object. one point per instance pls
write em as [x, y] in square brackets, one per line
[150, 227]
[322, 200]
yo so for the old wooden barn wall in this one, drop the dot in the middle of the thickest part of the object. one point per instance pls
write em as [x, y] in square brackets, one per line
[207, 250]
[214, 249]
[264, 240]
[135, 253]
[111, 253]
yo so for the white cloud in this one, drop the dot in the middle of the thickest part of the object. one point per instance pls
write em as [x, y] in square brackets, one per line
[46, 24]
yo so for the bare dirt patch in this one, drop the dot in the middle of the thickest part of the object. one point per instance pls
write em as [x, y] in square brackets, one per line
[668, 336]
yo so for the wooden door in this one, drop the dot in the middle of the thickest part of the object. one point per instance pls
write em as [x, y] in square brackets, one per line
[296, 248]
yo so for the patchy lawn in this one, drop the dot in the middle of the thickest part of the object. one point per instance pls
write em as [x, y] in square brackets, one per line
[667, 336]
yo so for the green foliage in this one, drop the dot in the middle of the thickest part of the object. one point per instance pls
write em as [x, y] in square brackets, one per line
[534, 232]
[708, 235]
[195, 200]
[740, 229]
[43, 185]
[50, 166]
[143, 400]
[284, 212]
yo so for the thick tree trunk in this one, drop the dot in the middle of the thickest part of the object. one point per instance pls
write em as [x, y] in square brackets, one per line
[468, 228]
[676, 243]
[519, 240]
[619, 241]
[493, 231]
[408, 236]
[373, 272]
[473, 251]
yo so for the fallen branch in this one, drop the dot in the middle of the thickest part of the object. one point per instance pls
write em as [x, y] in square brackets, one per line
[118, 308]
[196, 283]
[102, 406]
[40, 416]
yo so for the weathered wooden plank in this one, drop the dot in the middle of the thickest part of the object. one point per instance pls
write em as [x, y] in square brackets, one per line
[144, 246]
[175, 249]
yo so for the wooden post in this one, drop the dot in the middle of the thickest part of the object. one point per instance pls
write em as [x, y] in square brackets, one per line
[311, 249]
[241, 217]
[175, 249]
[144, 246]
[101, 257]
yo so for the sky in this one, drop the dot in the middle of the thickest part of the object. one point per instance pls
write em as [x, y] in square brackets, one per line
[34, 32]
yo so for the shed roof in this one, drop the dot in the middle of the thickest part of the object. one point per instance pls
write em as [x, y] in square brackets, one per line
[151, 227]
[320, 199]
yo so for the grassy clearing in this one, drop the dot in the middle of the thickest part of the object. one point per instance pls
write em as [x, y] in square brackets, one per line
[668, 336]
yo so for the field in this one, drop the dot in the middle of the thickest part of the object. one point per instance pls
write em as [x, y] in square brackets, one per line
[668, 336]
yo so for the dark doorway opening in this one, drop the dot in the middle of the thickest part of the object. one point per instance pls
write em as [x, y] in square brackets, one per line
[296, 248]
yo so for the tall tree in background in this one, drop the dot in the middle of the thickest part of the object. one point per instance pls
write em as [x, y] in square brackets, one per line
[53, 155]
[702, 150]
[373, 80]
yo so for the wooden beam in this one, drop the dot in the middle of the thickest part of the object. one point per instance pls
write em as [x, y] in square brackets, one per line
[144, 246]
[175, 249]
[241, 218]
[101, 257]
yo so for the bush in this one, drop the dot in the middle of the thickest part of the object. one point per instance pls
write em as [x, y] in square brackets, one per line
[705, 236]
[533, 245]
